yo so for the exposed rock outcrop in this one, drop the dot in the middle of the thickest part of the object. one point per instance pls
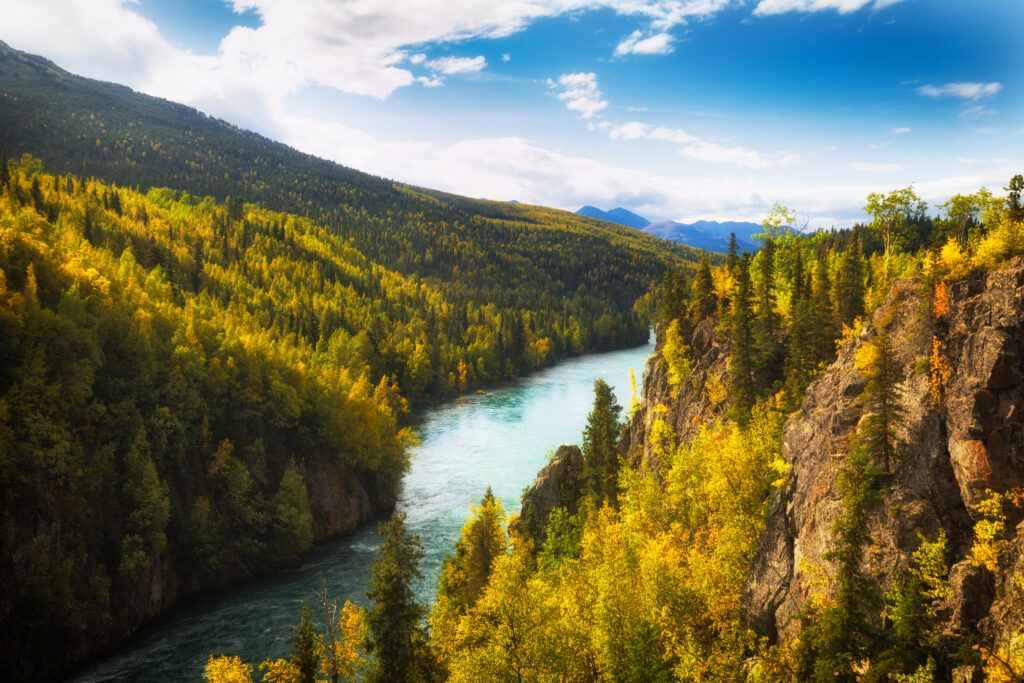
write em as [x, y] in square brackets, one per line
[950, 455]
[559, 484]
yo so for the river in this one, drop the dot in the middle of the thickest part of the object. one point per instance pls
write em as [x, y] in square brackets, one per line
[498, 439]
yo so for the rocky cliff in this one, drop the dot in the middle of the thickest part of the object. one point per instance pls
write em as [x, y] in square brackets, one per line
[697, 400]
[951, 454]
[559, 484]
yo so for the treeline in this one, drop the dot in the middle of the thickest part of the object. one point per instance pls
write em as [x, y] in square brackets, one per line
[645, 580]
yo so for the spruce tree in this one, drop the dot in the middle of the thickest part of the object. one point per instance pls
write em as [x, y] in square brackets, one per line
[850, 283]
[801, 359]
[880, 397]
[768, 355]
[823, 326]
[5, 172]
[703, 291]
[600, 457]
[741, 358]
[303, 656]
[1014, 205]
[398, 637]
[731, 255]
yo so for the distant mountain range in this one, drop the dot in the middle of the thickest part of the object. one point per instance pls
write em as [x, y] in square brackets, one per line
[710, 235]
[617, 215]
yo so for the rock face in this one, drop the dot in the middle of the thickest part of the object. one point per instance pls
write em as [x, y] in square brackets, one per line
[559, 484]
[949, 456]
[695, 402]
[340, 501]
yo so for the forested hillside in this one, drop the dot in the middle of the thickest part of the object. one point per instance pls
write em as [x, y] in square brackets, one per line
[823, 481]
[511, 255]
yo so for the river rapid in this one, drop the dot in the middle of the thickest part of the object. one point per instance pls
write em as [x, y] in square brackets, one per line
[500, 438]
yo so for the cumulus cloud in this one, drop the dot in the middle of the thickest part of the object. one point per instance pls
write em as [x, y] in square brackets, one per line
[637, 44]
[580, 93]
[458, 65]
[634, 130]
[968, 91]
[841, 6]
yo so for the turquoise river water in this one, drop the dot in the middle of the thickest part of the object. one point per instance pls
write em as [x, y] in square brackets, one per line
[498, 439]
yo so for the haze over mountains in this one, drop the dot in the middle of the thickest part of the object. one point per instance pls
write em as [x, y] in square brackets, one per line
[710, 235]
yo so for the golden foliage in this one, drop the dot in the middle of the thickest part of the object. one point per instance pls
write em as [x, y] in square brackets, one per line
[940, 301]
[940, 372]
[226, 669]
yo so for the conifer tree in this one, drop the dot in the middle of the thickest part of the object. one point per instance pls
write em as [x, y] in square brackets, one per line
[732, 254]
[801, 358]
[703, 291]
[5, 172]
[766, 322]
[823, 325]
[880, 397]
[850, 283]
[741, 359]
[1014, 205]
[303, 656]
[398, 636]
[600, 458]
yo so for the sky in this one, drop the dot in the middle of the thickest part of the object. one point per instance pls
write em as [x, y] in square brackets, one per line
[674, 109]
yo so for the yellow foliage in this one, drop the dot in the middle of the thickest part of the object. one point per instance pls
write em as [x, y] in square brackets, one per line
[226, 669]
[953, 263]
[940, 372]
[848, 333]
[677, 356]
[988, 531]
[1005, 241]
[1005, 664]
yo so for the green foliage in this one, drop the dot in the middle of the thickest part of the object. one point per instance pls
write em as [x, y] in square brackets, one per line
[600, 457]
[398, 635]
[563, 541]
[741, 357]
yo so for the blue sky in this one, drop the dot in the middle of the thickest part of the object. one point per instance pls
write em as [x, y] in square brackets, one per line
[675, 109]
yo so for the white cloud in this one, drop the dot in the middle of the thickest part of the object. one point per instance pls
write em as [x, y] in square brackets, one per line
[506, 57]
[841, 6]
[458, 65]
[418, 58]
[714, 152]
[977, 111]
[580, 93]
[432, 82]
[873, 167]
[634, 130]
[902, 130]
[968, 91]
[636, 44]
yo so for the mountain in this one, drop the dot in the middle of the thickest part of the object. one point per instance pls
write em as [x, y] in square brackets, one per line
[710, 235]
[616, 215]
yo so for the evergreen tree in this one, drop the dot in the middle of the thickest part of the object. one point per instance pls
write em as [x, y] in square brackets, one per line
[5, 172]
[673, 297]
[801, 358]
[850, 283]
[731, 255]
[741, 358]
[766, 322]
[703, 291]
[823, 316]
[303, 656]
[1014, 206]
[880, 397]
[398, 636]
[465, 573]
[600, 457]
